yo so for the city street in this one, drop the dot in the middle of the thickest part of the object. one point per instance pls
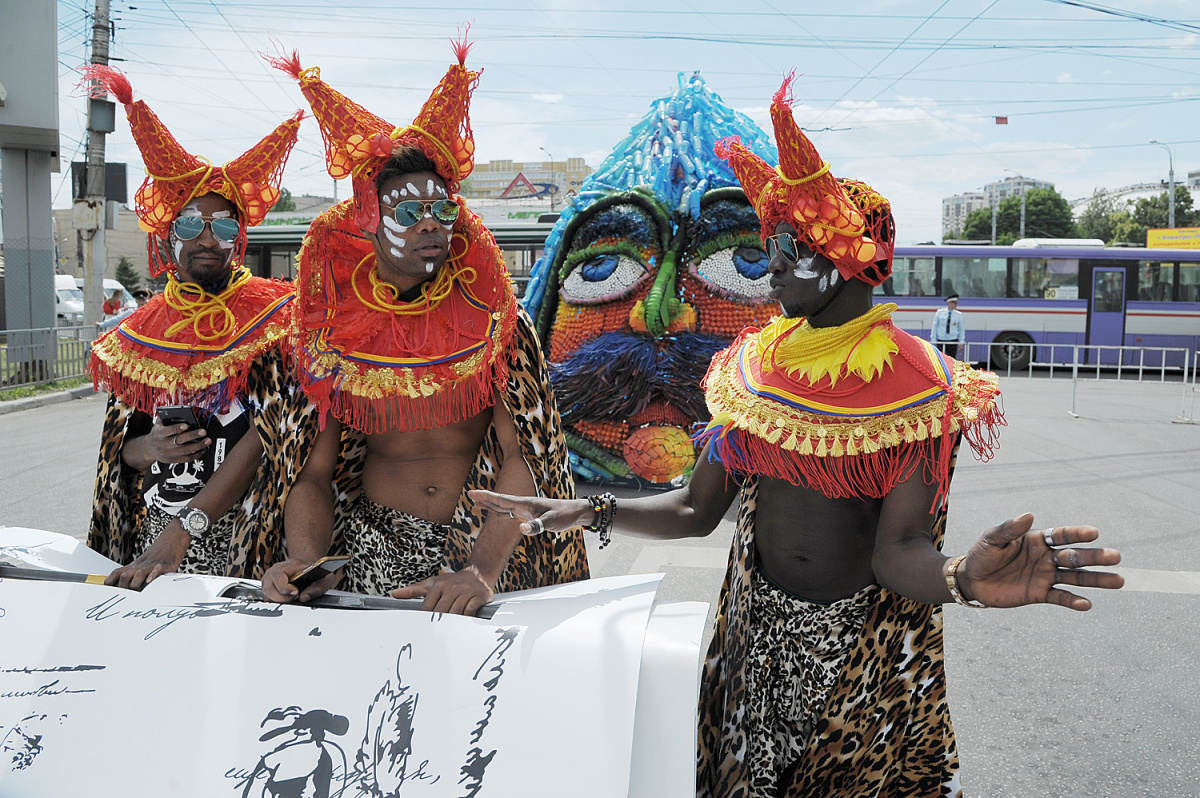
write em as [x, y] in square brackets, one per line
[1046, 702]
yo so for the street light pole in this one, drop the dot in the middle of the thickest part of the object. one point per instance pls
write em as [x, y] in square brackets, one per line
[552, 186]
[1170, 184]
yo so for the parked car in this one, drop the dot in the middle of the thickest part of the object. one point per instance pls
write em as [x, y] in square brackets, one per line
[68, 301]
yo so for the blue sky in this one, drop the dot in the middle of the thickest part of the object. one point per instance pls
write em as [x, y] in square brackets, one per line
[902, 94]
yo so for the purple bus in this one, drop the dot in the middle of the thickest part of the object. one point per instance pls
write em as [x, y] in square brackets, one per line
[1033, 294]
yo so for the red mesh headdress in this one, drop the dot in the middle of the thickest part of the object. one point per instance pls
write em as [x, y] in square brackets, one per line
[357, 142]
[174, 176]
[845, 220]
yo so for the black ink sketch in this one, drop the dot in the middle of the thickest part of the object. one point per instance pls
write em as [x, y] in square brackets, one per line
[23, 742]
[56, 669]
[477, 761]
[44, 691]
[109, 610]
[302, 764]
[381, 764]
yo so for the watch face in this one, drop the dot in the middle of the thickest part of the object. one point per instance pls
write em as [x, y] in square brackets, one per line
[196, 521]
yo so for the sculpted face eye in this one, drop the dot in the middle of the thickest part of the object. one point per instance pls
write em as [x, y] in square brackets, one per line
[735, 268]
[602, 277]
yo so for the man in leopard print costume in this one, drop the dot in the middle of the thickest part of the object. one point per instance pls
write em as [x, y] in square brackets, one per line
[426, 374]
[825, 674]
[170, 496]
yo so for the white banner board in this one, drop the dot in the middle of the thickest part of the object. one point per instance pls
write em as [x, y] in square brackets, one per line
[177, 691]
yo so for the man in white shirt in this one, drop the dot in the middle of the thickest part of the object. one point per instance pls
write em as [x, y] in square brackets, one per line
[947, 332]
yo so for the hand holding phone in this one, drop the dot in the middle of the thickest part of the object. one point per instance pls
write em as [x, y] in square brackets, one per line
[317, 571]
[179, 414]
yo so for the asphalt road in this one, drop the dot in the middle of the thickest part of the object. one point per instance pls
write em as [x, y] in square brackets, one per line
[1046, 702]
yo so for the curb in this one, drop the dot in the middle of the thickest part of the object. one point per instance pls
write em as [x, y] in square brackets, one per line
[30, 402]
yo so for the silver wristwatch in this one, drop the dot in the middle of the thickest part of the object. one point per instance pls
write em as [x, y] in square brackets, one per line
[195, 522]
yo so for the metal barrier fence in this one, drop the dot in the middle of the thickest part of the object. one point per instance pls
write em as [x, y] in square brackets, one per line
[1097, 363]
[38, 356]
[1187, 415]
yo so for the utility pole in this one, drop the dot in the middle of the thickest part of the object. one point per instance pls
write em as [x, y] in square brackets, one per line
[1170, 185]
[90, 211]
[995, 208]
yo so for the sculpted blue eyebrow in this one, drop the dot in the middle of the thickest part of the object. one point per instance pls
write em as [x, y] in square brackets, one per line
[624, 222]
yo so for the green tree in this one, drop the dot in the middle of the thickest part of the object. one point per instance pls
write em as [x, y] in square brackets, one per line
[1047, 215]
[1098, 220]
[285, 201]
[977, 226]
[127, 275]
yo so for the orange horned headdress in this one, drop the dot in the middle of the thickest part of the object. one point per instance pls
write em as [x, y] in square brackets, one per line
[174, 176]
[357, 142]
[845, 220]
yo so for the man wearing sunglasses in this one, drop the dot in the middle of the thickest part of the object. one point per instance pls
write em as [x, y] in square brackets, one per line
[195, 375]
[426, 375]
[825, 673]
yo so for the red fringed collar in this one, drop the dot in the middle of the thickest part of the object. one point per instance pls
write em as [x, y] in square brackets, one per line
[190, 347]
[858, 438]
[377, 364]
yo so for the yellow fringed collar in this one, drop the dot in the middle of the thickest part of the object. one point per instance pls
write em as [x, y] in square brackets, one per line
[863, 346]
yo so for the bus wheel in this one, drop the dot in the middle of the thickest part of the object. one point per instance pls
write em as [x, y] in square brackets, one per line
[1011, 351]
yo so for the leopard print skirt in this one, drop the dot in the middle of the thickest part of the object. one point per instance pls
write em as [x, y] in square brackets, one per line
[209, 556]
[797, 648]
[389, 548]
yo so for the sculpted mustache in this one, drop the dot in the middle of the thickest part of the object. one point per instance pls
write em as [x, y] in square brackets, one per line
[615, 375]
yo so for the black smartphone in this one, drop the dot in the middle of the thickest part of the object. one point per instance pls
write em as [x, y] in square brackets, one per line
[317, 571]
[179, 414]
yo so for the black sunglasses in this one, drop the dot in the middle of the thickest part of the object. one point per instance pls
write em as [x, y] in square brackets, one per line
[408, 212]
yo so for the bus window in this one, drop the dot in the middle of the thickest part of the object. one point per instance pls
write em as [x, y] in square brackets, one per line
[283, 262]
[1155, 281]
[1189, 282]
[1046, 278]
[910, 277]
[984, 277]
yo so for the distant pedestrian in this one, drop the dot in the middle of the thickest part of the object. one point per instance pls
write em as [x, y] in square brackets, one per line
[948, 332]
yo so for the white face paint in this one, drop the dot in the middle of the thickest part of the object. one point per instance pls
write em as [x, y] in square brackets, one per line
[804, 269]
[823, 283]
[438, 190]
[412, 190]
[402, 193]
[395, 195]
[429, 268]
[177, 247]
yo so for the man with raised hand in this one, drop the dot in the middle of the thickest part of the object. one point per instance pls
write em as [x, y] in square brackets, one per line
[839, 431]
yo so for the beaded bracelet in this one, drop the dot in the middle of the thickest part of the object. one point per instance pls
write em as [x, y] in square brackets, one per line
[605, 508]
[952, 583]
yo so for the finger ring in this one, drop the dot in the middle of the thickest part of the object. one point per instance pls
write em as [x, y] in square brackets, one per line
[536, 527]
[174, 439]
[510, 514]
[1049, 533]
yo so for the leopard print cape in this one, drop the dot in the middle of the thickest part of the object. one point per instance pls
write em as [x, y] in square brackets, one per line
[538, 560]
[256, 542]
[885, 729]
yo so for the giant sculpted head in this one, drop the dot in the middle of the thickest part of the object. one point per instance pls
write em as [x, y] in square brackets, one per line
[655, 265]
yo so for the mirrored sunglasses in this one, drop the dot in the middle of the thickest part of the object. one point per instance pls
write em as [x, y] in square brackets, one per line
[785, 243]
[188, 227]
[408, 212]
